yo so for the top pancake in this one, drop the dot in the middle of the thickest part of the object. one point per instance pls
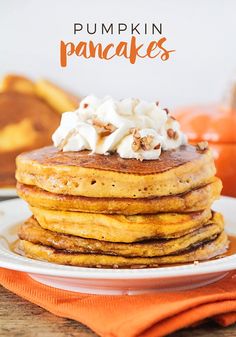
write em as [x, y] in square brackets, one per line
[93, 175]
[51, 156]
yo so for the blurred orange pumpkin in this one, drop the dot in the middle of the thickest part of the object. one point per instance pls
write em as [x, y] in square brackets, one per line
[217, 125]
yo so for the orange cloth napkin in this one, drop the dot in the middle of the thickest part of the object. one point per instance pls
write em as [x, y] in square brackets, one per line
[149, 315]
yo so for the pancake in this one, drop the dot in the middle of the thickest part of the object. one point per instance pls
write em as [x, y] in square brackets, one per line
[33, 232]
[17, 107]
[121, 228]
[206, 251]
[17, 83]
[92, 175]
[26, 122]
[195, 200]
[57, 98]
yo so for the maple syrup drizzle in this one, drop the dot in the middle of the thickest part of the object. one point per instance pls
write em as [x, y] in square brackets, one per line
[11, 231]
[232, 246]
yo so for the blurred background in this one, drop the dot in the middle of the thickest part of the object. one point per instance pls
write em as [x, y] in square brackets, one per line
[197, 82]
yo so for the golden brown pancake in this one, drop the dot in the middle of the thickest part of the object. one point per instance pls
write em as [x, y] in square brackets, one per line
[33, 232]
[26, 122]
[206, 251]
[92, 175]
[17, 83]
[58, 99]
[195, 200]
[15, 107]
[121, 228]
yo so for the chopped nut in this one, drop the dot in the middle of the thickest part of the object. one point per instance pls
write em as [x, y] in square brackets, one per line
[136, 144]
[173, 118]
[172, 134]
[103, 129]
[109, 128]
[157, 103]
[166, 110]
[85, 105]
[157, 147]
[135, 133]
[202, 146]
[146, 142]
[98, 123]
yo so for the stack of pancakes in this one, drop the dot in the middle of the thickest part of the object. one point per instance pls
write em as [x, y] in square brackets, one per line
[29, 113]
[104, 211]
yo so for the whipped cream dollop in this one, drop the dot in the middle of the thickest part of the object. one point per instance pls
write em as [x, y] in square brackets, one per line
[131, 127]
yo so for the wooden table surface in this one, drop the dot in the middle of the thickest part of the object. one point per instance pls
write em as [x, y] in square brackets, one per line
[20, 318]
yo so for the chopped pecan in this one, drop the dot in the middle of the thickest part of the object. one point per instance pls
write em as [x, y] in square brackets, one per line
[108, 129]
[172, 134]
[135, 133]
[85, 105]
[157, 147]
[136, 145]
[103, 128]
[202, 146]
[96, 122]
[166, 110]
[146, 142]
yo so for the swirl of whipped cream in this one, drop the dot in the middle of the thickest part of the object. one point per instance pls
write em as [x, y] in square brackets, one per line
[131, 127]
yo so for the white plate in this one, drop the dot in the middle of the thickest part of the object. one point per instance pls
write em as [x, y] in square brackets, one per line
[8, 192]
[112, 281]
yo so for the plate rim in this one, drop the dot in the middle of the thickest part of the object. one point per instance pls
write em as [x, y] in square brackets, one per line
[7, 192]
